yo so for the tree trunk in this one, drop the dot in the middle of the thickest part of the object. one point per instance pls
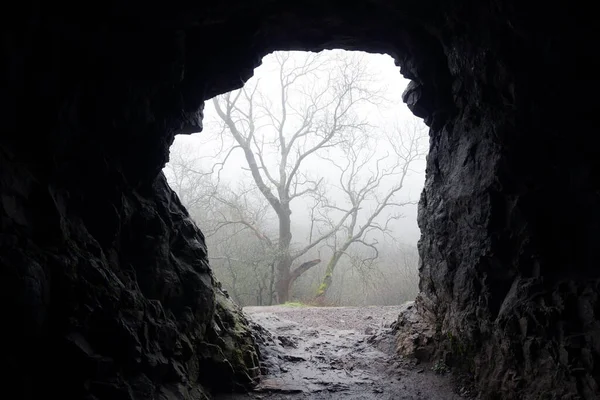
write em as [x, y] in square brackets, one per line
[284, 262]
[286, 284]
[305, 266]
[283, 280]
[259, 301]
[272, 284]
[328, 278]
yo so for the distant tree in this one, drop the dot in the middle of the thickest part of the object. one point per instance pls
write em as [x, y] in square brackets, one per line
[241, 232]
[192, 184]
[360, 279]
[370, 180]
[280, 132]
[240, 255]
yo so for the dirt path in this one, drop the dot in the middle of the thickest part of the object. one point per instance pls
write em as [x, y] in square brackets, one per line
[337, 353]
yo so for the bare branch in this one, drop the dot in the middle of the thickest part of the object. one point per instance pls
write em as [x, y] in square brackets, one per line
[249, 156]
[303, 268]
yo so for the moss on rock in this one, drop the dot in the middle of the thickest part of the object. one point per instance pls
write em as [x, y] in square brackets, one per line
[233, 351]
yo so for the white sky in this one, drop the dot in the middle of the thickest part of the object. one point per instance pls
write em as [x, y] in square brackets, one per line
[387, 76]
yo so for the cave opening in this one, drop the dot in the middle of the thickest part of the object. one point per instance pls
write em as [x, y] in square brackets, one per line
[323, 144]
[315, 162]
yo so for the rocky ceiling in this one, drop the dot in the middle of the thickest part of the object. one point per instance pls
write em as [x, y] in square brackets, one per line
[106, 289]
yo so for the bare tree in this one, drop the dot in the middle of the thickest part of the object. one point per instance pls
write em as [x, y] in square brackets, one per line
[278, 134]
[240, 255]
[362, 180]
[390, 279]
[191, 183]
[299, 138]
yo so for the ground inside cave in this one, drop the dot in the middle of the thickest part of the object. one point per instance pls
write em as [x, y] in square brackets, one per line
[338, 352]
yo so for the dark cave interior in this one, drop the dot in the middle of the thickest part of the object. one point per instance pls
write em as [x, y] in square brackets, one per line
[106, 285]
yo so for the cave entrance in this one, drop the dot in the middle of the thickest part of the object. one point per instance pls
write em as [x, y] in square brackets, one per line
[103, 270]
[305, 182]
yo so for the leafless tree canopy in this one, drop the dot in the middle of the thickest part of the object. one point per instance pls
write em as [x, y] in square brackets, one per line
[311, 211]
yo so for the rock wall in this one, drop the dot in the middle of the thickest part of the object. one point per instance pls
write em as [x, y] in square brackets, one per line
[510, 211]
[106, 290]
[111, 296]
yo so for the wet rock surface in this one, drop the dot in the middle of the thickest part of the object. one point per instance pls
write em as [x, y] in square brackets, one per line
[147, 321]
[337, 353]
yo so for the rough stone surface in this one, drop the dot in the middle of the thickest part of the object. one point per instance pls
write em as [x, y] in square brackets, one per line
[510, 210]
[114, 300]
[106, 291]
[333, 353]
[416, 337]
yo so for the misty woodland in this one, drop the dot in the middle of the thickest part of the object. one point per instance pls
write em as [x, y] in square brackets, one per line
[322, 189]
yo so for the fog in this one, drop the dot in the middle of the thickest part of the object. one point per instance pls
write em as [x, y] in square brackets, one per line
[211, 161]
